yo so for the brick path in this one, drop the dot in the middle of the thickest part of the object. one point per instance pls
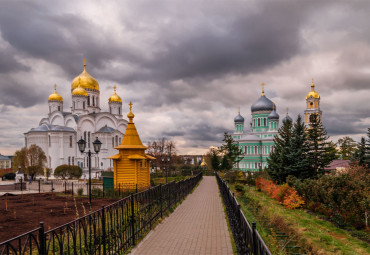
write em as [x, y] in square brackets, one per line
[197, 226]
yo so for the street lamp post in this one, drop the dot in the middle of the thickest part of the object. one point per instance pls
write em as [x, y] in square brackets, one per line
[81, 146]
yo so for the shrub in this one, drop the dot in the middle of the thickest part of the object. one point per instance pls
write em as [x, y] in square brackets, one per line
[80, 191]
[68, 171]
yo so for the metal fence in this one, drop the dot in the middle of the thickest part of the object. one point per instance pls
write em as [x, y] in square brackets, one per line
[110, 230]
[247, 238]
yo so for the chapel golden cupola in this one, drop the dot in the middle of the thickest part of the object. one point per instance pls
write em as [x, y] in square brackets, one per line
[131, 165]
[55, 101]
[55, 96]
[312, 104]
[115, 97]
[85, 80]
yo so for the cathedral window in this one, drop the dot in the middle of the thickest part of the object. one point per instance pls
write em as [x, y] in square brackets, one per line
[264, 122]
[255, 150]
[93, 101]
[112, 141]
[110, 109]
[88, 139]
[120, 140]
[49, 140]
[259, 122]
[88, 100]
[69, 160]
[116, 140]
[83, 105]
[70, 141]
[59, 108]
[73, 161]
[74, 105]
[119, 110]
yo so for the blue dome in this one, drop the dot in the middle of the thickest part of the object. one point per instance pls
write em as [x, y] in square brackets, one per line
[239, 118]
[273, 115]
[262, 104]
[287, 117]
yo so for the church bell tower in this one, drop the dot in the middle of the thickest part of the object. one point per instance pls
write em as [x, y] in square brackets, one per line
[312, 104]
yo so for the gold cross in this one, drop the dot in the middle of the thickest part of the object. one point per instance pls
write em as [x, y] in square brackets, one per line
[85, 64]
[130, 104]
[273, 106]
[115, 87]
[239, 110]
[55, 87]
[287, 110]
[263, 88]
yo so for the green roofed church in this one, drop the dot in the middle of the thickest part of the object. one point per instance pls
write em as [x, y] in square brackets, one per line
[257, 142]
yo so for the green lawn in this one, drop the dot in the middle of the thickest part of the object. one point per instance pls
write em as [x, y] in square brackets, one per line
[312, 234]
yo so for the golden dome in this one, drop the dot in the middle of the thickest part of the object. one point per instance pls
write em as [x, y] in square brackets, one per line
[313, 93]
[55, 96]
[115, 97]
[79, 91]
[85, 80]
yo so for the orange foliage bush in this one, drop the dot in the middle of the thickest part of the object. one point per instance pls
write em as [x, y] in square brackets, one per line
[284, 194]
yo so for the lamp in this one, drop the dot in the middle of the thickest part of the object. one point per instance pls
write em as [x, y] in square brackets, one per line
[82, 146]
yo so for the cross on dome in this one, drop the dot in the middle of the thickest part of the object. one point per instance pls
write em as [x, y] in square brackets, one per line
[263, 88]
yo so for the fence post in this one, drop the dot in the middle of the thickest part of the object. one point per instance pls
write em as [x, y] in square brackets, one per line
[103, 229]
[160, 198]
[119, 189]
[39, 185]
[254, 238]
[52, 186]
[72, 190]
[42, 239]
[65, 187]
[136, 187]
[132, 219]
[21, 185]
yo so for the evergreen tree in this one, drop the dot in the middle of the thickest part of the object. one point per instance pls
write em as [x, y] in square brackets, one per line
[278, 159]
[215, 161]
[321, 152]
[299, 165]
[225, 164]
[231, 151]
[367, 149]
[360, 153]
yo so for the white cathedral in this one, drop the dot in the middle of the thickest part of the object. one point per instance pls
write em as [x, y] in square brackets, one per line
[58, 133]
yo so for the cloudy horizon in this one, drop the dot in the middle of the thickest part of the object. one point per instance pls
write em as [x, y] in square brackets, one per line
[186, 65]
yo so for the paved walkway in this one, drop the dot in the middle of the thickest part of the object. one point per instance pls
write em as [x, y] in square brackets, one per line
[197, 226]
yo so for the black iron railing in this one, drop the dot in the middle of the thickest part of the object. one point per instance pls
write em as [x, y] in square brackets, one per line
[110, 230]
[247, 238]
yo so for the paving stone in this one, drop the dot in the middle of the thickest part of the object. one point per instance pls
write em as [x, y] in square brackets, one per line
[197, 226]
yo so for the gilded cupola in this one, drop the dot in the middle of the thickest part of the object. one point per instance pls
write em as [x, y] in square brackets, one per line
[312, 93]
[79, 91]
[115, 97]
[55, 96]
[85, 80]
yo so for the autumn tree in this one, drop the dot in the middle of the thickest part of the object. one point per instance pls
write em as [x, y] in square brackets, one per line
[347, 147]
[214, 155]
[32, 160]
[165, 153]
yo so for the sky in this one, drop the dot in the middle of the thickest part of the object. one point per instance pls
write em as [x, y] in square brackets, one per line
[187, 65]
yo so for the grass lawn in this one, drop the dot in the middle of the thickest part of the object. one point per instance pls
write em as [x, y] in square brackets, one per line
[313, 234]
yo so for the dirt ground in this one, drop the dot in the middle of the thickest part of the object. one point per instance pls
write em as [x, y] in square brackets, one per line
[25, 212]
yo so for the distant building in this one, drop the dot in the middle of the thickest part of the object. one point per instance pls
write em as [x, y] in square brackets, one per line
[5, 162]
[258, 142]
[192, 159]
[338, 166]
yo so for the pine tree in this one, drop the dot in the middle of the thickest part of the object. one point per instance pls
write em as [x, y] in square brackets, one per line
[231, 151]
[367, 149]
[321, 152]
[278, 159]
[225, 164]
[347, 147]
[299, 165]
[360, 152]
[215, 161]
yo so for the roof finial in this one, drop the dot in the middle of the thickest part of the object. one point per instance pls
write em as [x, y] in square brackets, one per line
[239, 110]
[114, 87]
[84, 64]
[130, 115]
[273, 107]
[287, 110]
[263, 89]
[312, 85]
[55, 88]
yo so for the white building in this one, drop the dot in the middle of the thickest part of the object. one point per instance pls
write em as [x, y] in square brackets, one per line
[58, 133]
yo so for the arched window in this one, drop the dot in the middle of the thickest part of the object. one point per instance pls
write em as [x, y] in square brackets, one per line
[84, 106]
[112, 141]
[264, 122]
[59, 108]
[116, 140]
[85, 136]
[74, 105]
[49, 141]
[119, 110]
[255, 150]
[110, 109]
[120, 140]
[88, 138]
[69, 160]
[259, 122]
[93, 100]
[73, 161]
[88, 100]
